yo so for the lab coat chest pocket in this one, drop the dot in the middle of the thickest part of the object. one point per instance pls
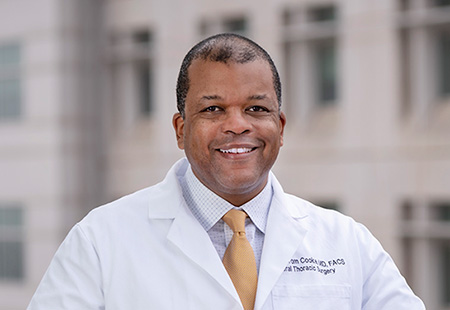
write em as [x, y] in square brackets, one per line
[312, 297]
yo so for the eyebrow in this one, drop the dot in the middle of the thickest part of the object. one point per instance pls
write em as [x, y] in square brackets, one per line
[211, 97]
[257, 97]
[217, 97]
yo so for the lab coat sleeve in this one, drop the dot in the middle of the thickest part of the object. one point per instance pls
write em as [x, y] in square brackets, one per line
[384, 287]
[73, 279]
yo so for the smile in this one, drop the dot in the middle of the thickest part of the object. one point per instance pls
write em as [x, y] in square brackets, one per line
[240, 150]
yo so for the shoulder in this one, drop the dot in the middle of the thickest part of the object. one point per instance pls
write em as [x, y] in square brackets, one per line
[125, 209]
[314, 217]
[316, 212]
[325, 221]
[161, 199]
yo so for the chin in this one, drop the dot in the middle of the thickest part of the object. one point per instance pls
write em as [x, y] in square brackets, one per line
[241, 184]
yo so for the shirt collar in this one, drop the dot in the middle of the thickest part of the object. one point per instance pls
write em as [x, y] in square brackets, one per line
[208, 207]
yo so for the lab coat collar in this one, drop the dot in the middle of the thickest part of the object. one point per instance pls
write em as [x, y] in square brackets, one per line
[168, 193]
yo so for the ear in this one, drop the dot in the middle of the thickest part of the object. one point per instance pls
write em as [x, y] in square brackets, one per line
[178, 125]
[282, 124]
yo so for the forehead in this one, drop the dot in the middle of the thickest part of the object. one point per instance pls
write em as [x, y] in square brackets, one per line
[205, 64]
[204, 74]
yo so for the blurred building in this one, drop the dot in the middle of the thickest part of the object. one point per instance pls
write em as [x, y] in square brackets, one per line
[87, 92]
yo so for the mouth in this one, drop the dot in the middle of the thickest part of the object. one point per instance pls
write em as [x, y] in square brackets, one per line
[237, 150]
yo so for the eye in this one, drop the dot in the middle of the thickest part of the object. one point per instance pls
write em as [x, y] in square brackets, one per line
[257, 108]
[213, 108]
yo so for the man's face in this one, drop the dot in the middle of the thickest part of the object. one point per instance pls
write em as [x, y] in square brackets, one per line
[232, 130]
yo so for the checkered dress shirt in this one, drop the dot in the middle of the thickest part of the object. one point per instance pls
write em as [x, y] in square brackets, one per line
[209, 208]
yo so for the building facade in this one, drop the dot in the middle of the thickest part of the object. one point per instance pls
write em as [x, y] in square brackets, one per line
[87, 93]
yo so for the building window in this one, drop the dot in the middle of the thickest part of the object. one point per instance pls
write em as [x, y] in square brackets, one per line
[326, 72]
[403, 5]
[322, 14]
[443, 62]
[131, 55]
[312, 62]
[426, 242]
[237, 25]
[441, 214]
[424, 36]
[10, 82]
[441, 2]
[445, 276]
[144, 86]
[143, 68]
[11, 243]
[325, 59]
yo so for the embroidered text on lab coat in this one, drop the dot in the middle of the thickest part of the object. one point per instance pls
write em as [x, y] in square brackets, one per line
[311, 264]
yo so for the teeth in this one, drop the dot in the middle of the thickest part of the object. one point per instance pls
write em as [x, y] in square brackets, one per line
[237, 150]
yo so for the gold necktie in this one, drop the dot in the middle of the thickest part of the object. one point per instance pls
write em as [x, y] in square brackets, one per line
[239, 259]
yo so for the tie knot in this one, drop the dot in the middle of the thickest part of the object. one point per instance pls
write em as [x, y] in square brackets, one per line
[236, 220]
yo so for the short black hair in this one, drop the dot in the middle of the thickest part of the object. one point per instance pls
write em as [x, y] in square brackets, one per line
[225, 47]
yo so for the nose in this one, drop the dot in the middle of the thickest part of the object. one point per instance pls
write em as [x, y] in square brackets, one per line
[236, 122]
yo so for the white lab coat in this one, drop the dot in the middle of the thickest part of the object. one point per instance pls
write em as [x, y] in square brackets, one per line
[147, 251]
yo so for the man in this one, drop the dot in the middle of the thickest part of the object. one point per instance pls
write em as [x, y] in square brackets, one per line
[178, 245]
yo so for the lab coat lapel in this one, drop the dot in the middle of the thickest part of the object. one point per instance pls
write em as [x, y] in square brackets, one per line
[185, 232]
[284, 233]
[189, 236]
